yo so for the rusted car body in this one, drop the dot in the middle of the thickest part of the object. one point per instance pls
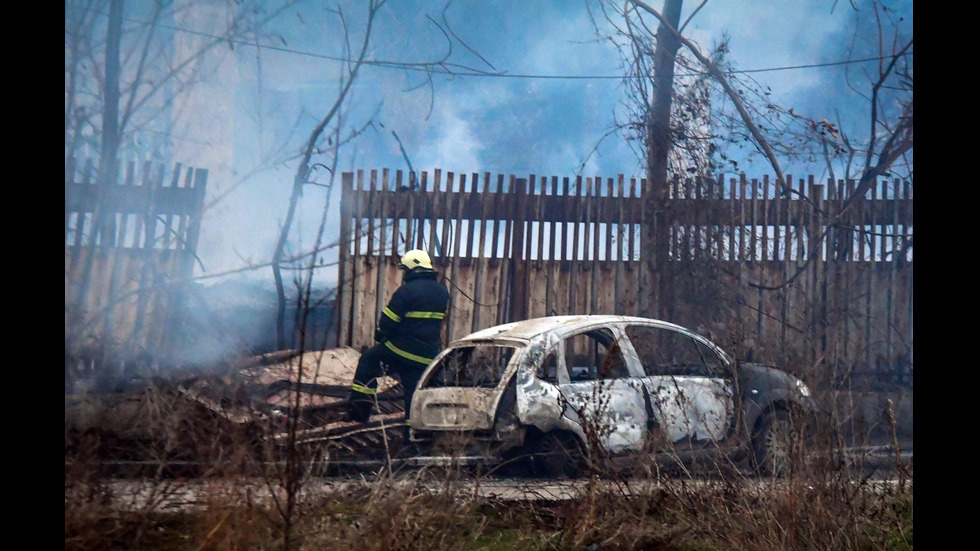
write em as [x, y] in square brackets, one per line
[563, 393]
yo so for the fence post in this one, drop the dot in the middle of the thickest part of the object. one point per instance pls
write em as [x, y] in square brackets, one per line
[517, 280]
[344, 264]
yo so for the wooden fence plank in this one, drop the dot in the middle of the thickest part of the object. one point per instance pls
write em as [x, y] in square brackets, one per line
[422, 212]
[594, 185]
[405, 198]
[481, 307]
[519, 276]
[619, 284]
[551, 267]
[458, 316]
[344, 273]
[868, 238]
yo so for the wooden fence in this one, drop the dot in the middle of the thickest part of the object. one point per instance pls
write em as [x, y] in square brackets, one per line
[785, 275]
[129, 248]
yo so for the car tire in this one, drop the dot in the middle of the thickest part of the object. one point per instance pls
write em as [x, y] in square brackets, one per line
[559, 455]
[775, 444]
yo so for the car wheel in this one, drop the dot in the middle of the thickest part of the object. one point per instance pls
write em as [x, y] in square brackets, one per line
[775, 443]
[559, 455]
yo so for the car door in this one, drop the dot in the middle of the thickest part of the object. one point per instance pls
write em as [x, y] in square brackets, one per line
[599, 392]
[689, 392]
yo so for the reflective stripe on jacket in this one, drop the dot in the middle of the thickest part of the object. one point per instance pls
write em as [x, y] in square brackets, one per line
[411, 323]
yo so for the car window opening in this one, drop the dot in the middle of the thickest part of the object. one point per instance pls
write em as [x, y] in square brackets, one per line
[479, 366]
[594, 355]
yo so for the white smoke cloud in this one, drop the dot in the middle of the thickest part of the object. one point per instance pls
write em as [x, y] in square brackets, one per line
[455, 146]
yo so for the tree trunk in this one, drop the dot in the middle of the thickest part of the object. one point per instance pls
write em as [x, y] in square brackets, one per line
[658, 145]
[102, 224]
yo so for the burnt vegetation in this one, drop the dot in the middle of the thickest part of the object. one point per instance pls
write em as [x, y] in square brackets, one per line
[200, 464]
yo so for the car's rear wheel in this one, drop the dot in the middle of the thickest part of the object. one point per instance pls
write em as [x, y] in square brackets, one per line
[559, 455]
[776, 443]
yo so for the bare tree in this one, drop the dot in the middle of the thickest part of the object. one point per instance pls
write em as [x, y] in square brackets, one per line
[667, 118]
[122, 71]
[888, 92]
[120, 68]
[323, 146]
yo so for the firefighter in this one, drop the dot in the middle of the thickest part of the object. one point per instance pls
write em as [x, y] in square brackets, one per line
[407, 335]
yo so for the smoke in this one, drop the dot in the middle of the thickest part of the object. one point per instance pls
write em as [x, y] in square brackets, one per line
[235, 319]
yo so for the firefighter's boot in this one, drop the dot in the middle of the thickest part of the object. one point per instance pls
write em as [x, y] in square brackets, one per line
[358, 407]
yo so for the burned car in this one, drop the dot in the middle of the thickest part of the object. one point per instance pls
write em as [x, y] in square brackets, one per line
[565, 393]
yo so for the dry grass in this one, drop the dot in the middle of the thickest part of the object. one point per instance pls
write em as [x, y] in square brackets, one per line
[243, 503]
[393, 513]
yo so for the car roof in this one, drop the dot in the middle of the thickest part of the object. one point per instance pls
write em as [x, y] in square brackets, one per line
[527, 330]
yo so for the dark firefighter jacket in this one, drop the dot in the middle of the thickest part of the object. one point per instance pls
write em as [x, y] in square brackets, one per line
[411, 322]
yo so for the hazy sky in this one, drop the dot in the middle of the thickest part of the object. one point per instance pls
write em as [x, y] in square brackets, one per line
[529, 121]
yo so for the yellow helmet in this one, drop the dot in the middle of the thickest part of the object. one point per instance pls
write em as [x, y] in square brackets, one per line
[415, 258]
